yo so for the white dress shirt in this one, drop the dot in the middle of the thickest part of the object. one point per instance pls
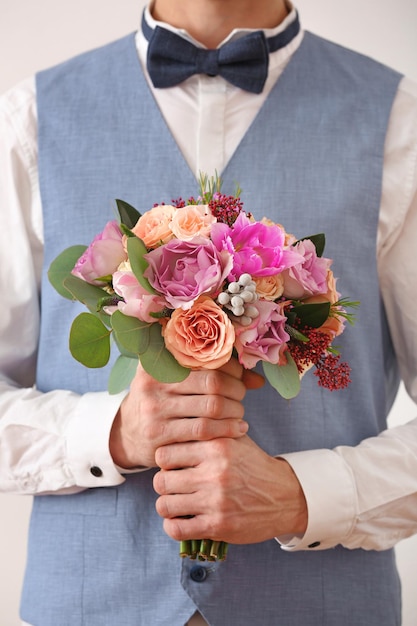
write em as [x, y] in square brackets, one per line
[365, 496]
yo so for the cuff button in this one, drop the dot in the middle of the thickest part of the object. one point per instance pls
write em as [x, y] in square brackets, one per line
[96, 471]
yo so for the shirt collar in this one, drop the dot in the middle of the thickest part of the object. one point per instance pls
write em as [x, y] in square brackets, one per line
[235, 34]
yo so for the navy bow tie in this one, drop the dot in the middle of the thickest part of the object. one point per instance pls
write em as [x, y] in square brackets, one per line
[242, 62]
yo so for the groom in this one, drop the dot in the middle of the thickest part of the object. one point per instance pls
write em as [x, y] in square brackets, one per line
[302, 127]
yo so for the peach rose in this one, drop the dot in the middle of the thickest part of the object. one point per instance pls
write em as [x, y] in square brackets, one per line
[334, 325]
[192, 221]
[269, 287]
[153, 227]
[201, 337]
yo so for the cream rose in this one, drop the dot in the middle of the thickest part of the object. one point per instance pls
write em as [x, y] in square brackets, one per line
[191, 221]
[270, 287]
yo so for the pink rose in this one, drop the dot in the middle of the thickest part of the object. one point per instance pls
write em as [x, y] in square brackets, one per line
[102, 257]
[137, 301]
[265, 338]
[192, 221]
[153, 227]
[201, 337]
[257, 248]
[309, 276]
[183, 270]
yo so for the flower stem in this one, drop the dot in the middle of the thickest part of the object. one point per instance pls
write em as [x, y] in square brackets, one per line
[203, 550]
[185, 548]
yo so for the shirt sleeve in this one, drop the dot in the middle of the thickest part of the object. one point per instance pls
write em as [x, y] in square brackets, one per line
[58, 441]
[366, 496]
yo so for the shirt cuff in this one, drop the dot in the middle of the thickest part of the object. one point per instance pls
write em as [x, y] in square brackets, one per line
[329, 489]
[87, 440]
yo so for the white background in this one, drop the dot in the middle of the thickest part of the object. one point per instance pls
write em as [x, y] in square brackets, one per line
[37, 34]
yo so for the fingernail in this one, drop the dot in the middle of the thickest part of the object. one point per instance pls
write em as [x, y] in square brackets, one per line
[243, 427]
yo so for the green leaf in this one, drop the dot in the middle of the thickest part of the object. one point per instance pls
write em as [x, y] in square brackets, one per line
[61, 268]
[130, 333]
[89, 341]
[159, 362]
[128, 214]
[126, 231]
[136, 249]
[122, 374]
[313, 315]
[89, 295]
[319, 241]
[284, 378]
[295, 334]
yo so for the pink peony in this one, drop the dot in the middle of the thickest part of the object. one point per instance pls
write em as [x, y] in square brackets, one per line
[257, 248]
[102, 257]
[309, 276]
[137, 301]
[201, 337]
[183, 270]
[265, 339]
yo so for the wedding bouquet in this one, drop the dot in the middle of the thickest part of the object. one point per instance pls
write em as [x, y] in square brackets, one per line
[187, 285]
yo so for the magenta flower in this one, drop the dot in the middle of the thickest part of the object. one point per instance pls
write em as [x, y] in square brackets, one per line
[183, 270]
[102, 257]
[137, 302]
[257, 248]
[265, 339]
[309, 276]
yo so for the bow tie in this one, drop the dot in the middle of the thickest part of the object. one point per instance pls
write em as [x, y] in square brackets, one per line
[242, 62]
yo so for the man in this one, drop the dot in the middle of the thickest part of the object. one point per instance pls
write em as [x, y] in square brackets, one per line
[312, 148]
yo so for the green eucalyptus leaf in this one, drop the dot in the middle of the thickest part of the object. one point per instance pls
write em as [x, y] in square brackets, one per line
[89, 295]
[313, 315]
[128, 352]
[128, 214]
[136, 249]
[61, 268]
[284, 378]
[319, 241]
[130, 333]
[122, 374]
[89, 341]
[159, 362]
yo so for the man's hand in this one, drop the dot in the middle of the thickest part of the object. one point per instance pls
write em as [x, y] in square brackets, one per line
[233, 490]
[154, 414]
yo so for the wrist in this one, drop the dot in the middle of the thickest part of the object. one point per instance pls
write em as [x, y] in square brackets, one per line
[291, 497]
[120, 447]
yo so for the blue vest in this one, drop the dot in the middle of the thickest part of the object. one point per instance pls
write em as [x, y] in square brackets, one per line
[312, 160]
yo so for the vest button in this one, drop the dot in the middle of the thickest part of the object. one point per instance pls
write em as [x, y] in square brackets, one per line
[315, 544]
[198, 573]
[96, 471]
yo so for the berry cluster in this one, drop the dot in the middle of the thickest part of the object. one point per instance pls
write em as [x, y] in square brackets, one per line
[239, 298]
[331, 373]
[225, 208]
